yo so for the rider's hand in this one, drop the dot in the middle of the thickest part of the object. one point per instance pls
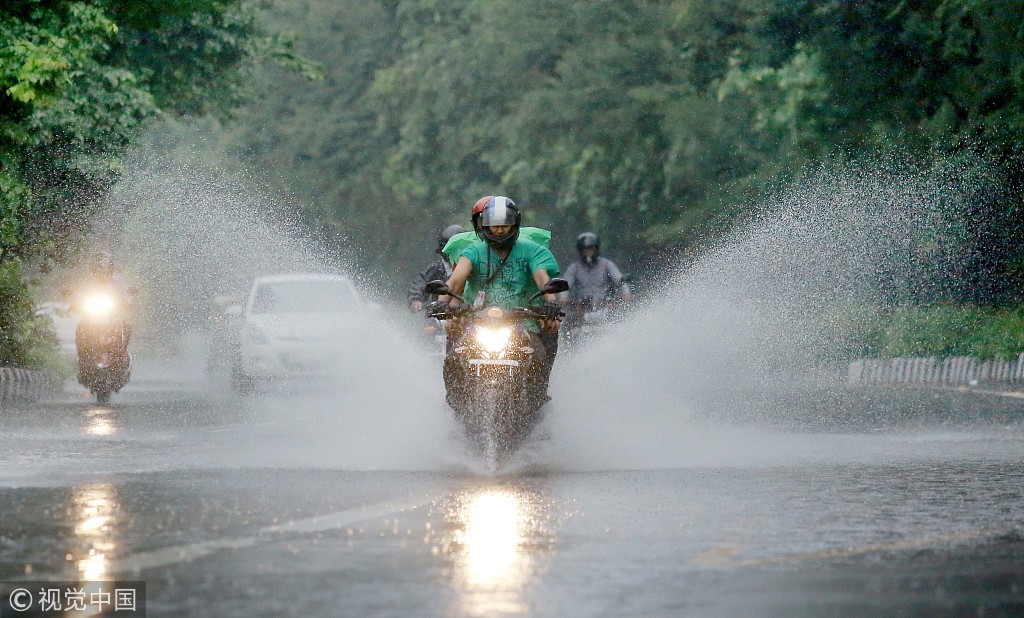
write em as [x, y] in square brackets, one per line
[550, 311]
[438, 309]
[415, 306]
[550, 325]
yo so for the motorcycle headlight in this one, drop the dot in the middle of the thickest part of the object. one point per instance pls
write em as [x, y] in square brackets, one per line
[493, 339]
[99, 305]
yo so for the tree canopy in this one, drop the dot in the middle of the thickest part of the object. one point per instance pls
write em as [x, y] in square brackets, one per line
[78, 79]
[652, 122]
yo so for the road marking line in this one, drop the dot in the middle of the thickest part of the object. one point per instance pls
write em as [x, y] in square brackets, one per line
[180, 553]
[332, 521]
[717, 556]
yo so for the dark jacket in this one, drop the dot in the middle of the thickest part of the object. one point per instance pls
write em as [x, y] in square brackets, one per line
[440, 269]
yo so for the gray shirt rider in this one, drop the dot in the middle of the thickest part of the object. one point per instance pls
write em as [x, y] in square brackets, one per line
[595, 283]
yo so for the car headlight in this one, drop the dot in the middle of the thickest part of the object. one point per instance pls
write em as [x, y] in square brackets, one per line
[257, 336]
[493, 340]
[98, 305]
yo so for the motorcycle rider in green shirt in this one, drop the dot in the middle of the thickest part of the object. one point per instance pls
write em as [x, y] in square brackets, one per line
[504, 269]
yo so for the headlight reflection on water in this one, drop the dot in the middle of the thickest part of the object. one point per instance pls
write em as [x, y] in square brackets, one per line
[95, 508]
[493, 547]
[100, 423]
[491, 540]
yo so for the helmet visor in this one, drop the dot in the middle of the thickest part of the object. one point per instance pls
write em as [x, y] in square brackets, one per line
[501, 211]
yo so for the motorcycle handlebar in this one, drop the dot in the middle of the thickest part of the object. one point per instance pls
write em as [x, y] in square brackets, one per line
[445, 312]
[530, 312]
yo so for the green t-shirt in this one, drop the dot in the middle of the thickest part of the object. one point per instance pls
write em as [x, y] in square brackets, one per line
[458, 243]
[514, 285]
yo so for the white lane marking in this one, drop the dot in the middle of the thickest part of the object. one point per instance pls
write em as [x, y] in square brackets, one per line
[721, 556]
[332, 521]
[180, 553]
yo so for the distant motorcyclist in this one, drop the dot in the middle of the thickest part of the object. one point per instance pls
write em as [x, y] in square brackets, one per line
[441, 269]
[594, 281]
[505, 270]
[104, 302]
[103, 275]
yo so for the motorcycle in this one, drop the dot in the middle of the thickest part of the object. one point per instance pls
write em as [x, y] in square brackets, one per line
[487, 371]
[434, 338]
[589, 318]
[586, 324]
[101, 339]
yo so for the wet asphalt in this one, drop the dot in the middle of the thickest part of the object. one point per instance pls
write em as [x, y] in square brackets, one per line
[222, 509]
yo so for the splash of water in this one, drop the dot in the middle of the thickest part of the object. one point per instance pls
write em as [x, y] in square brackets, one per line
[766, 313]
[189, 234]
[760, 327]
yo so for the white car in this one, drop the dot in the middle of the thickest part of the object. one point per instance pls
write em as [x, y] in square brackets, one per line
[295, 326]
[64, 324]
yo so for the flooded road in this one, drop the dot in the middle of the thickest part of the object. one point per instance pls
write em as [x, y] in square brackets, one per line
[266, 506]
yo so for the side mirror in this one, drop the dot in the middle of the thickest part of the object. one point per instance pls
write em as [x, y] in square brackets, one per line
[553, 286]
[440, 288]
[436, 287]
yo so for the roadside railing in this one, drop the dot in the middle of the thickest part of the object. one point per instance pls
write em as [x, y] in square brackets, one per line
[26, 385]
[944, 372]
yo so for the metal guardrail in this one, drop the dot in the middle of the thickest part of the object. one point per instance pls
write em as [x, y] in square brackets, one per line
[951, 371]
[26, 385]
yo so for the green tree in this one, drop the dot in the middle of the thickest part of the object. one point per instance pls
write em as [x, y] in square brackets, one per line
[932, 78]
[653, 122]
[77, 82]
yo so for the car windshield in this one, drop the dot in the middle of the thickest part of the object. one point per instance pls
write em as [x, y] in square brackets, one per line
[304, 297]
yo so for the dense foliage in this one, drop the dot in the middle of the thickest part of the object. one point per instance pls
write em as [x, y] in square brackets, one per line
[949, 330]
[652, 122]
[77, 81]
[649, 121]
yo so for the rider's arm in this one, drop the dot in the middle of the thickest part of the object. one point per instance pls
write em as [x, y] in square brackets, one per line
[541, 278]
[457, 282]
[416, 293]
[416, 296]
[616, 276]
[542, 267]
[570, 276]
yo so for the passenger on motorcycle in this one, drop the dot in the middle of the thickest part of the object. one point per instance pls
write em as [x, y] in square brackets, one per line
[505, 270]
[594, 281]
[439, 269]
